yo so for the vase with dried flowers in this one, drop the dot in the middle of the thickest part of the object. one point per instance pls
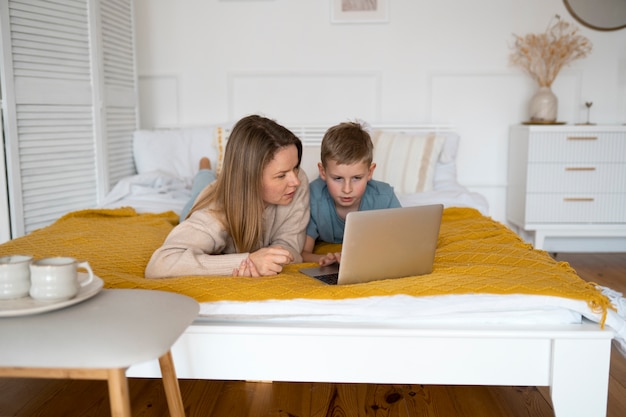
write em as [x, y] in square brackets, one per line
[542, 56]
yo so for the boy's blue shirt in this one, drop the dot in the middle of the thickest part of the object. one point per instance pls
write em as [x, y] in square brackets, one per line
[326, 225]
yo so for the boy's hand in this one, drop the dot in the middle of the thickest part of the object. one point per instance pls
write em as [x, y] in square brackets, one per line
[330, 258]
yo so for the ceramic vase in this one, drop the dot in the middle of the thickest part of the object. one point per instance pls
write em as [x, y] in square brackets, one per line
[543, 106]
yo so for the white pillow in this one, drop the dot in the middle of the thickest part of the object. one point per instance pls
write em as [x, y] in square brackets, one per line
[407, 161]
[445, 171]
[175, 152]
[450, 147]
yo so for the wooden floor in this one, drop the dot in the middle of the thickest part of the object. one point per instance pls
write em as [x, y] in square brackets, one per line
[54, 398]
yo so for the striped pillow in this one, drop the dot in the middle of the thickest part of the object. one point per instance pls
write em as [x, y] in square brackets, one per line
[406, 161]
[221, 137]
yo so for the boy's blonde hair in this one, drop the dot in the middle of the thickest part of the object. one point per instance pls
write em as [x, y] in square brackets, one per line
[347, 143]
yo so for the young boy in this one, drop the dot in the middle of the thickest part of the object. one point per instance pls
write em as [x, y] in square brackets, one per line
[345, 184]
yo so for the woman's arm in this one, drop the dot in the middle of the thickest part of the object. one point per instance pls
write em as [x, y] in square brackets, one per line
[195, 247]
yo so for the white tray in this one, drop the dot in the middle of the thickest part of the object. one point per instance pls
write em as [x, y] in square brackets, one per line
[26, 305]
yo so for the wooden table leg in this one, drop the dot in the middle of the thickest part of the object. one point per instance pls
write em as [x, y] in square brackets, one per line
[170, 383]
[119, 396]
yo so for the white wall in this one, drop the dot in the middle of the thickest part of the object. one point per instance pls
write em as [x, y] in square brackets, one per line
[434, 61]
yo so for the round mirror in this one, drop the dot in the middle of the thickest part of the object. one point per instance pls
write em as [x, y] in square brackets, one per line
[599, 14]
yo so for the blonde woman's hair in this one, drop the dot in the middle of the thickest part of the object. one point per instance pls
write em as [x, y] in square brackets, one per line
[236, 196]
[347, 143]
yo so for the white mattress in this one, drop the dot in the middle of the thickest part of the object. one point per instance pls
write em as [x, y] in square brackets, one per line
[484, 308]
[488, 309]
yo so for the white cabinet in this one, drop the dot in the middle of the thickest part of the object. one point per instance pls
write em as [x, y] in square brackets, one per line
[567, 187]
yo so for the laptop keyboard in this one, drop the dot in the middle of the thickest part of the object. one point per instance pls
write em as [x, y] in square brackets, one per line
[329, 278]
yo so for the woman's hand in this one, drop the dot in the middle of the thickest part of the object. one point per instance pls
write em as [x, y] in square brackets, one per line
[270, 261]
[330, 258]
[246, 269]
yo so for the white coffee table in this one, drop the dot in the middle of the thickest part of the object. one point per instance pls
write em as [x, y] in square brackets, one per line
[99, 339]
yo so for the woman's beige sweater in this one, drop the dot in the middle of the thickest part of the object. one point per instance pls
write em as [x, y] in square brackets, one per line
[201, 245]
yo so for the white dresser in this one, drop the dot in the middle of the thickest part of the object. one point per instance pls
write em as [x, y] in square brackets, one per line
[567, 187]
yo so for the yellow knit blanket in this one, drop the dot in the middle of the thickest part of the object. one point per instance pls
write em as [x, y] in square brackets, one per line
[474, 255]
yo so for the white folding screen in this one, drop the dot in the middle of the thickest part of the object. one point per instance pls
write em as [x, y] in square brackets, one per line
[121, 114]
[70, 101]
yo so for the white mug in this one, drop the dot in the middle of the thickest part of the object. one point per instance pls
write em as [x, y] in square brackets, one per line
[14, 276]
[57, 279]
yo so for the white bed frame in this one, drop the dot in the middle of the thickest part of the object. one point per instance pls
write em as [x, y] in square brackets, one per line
[573, 360]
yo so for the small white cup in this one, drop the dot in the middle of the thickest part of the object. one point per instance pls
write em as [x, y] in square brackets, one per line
[56, 279]
[14, 276]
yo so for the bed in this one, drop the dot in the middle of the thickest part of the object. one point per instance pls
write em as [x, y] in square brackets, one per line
[494, 311]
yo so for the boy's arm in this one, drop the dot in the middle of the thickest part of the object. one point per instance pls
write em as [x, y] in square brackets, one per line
[307, 252]
[309, 256]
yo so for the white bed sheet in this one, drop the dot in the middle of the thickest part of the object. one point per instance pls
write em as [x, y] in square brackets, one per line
[452, 197]
[158, 192]
[150, 192]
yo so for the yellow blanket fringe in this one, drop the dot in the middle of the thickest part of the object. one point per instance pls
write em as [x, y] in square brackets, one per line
[474, 255]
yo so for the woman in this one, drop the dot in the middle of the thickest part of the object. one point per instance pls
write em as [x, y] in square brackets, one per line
[251, 221]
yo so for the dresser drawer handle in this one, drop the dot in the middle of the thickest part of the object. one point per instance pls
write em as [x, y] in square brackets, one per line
[582, 138]
[571, 199]
[580, 168]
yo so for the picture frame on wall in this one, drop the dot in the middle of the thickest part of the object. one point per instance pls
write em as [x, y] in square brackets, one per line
[359, 11]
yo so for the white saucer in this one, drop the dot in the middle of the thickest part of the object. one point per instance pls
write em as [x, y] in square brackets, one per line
[26, 305]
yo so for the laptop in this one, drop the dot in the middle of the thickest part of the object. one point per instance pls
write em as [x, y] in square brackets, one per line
[385, 243]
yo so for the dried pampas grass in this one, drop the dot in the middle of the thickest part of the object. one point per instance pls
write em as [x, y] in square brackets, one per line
[544, 55]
